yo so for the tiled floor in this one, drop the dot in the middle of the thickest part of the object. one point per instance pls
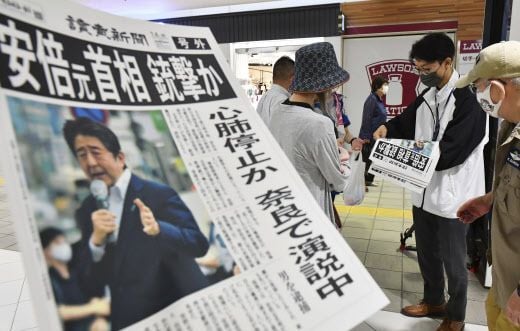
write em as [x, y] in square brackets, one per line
[389, 321]
[371, 229]
[7, 236]
[16, 310]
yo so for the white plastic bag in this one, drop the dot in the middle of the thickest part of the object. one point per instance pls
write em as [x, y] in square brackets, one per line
[354, 191]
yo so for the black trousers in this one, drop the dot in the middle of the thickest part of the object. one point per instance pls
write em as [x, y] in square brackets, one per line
[441, 245]
[365, 152]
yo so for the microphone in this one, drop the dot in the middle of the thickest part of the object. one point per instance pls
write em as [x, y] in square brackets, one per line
[99, 190]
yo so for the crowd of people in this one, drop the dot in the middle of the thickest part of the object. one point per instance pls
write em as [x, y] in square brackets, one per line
[301, 114]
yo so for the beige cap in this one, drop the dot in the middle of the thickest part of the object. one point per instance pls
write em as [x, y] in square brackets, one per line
[500, 60]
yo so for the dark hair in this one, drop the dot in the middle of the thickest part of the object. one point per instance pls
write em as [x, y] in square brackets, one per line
[433, 47]
[87, 127]
[283, 68]
[377, 82]
[47, 235]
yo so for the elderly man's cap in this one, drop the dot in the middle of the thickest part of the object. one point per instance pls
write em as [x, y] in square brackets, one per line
[501, 60]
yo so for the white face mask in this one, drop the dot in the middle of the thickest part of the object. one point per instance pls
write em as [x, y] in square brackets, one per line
[61, 252]
[484, 99]
[385, 89]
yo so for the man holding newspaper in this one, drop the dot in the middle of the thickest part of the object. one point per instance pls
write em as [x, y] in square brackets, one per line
[453, 117]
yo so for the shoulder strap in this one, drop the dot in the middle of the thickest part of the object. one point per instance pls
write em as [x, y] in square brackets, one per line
[420, 97]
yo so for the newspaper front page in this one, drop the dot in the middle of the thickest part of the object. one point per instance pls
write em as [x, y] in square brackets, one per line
[408, 163]
[133, 158]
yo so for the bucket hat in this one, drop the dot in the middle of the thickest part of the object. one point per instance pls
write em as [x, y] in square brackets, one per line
[317, 69]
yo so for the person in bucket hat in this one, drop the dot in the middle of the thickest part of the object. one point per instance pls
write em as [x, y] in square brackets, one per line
[317, 69]
[307, 136]
[495, 79]
[452, 117]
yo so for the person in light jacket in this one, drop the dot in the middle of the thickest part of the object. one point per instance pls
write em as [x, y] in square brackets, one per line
[454, 118]
[305, 135]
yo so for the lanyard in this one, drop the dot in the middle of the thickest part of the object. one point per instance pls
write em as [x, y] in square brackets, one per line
[436, 117]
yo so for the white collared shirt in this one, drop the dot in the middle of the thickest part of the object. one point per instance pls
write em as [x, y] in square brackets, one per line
[441, 100]
[116, 201]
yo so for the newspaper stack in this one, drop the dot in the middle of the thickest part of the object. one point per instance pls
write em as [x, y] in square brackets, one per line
[408, 163]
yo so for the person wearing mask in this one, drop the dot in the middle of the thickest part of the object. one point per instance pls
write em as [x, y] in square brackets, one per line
[454, 118]
[77, 311]
[141, 225]
[283, 72]
[374, 115]
[495, 79]
[306, 136]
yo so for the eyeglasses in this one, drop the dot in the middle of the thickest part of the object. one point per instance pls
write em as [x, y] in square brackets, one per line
[475, 87]
[426, 71]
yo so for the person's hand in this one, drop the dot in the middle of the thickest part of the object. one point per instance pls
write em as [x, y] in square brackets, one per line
[100, 306]
[357, 144]
[512, 310]
[380, 132]
[150, 225]
[475, 208]
[343, 154]
[341, 141]
[103, 224]
[99, 324]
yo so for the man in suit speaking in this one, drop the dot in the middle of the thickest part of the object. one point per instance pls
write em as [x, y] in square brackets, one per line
[140, 239]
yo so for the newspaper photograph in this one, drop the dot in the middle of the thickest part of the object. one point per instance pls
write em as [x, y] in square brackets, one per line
[147, 192]
[408, 163]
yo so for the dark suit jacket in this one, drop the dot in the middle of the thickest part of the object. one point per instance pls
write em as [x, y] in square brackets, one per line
[144, 273]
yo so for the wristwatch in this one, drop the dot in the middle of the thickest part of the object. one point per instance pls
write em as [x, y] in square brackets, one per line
[518, 290]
